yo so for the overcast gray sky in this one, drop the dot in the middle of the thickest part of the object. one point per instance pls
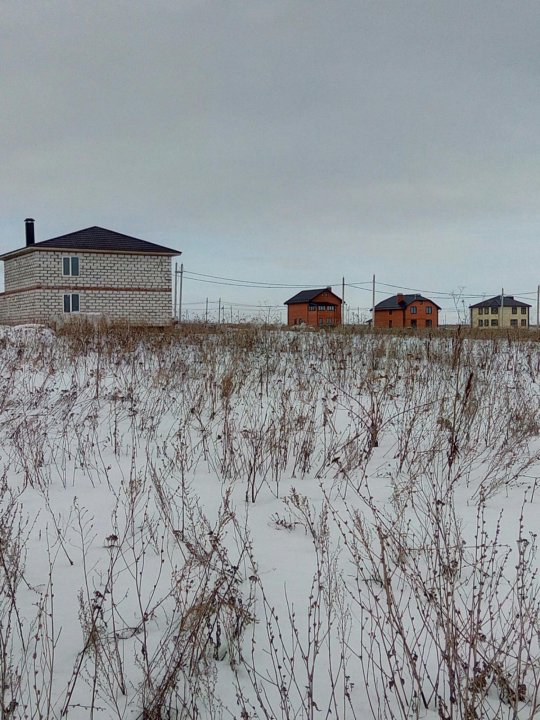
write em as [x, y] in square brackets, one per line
[282, 142]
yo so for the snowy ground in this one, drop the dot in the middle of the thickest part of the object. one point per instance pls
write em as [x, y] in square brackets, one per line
[266, 524]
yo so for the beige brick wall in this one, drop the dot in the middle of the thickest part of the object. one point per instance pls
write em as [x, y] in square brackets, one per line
[23, 307]
[506, 320]
[133, 288]
[22, 271]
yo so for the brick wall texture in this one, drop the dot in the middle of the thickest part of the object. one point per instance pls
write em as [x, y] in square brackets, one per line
[511, 317]
[320, 314]
[121, 287]
[420, 313]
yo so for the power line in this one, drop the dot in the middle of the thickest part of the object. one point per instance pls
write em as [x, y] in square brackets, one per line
[220, 280]
[242, 283]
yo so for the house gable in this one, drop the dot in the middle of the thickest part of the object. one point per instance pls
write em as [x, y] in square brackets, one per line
[489, 314]
[318, 308]
[399, 302]
[401, 310]
[508, 301]
[319, 295]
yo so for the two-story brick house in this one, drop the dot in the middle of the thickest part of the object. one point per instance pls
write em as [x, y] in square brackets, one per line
[317, 308]
[489, 314]
[402, 311]
[92, 272]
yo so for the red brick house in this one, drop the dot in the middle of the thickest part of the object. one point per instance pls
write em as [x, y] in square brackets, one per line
[317, 308]
[412, 311]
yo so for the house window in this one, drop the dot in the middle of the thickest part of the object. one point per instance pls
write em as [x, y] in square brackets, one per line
[413, 310]
[523, 323]
[494, 323]
[524, 311]
[322, 307]
[494, 310]
[389, 312]
[70, 266]
[513, 323]
[320, 322]
[514, 311]
[413, 323]
[429, 310]
[329, 321]
[429, 323]
[389, 323]
[480, 323]
[71, 303]
[312, 307]
[480, 311]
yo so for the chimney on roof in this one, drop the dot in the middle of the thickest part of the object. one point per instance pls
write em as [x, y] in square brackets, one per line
[29, 227]
[399, 298]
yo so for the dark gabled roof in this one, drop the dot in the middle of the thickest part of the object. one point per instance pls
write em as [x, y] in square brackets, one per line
[508, 301]
[392, 303]
[98, 239]
[305, 296]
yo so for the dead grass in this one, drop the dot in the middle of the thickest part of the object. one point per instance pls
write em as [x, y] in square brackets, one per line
[410, 609]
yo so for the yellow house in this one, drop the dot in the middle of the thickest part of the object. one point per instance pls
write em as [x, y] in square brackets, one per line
[487, 314]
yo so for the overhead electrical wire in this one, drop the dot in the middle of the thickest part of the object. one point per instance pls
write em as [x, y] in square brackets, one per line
[239, 283]
[260, 285]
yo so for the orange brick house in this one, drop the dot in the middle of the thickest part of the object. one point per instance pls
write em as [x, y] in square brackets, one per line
[317, 308]
[412, 311]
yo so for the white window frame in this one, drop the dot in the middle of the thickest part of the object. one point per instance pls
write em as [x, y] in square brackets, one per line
[73, 264]
[69, 298]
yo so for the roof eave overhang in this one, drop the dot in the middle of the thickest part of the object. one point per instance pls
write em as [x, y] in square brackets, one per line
[26, 250]
[404, 307]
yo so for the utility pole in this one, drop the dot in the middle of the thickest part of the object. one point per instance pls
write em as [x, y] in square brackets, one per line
[180, 294]
[538, 307]
[343, 303]
[206, 313]
[502, 306]
[219, 311]
[373, 303]
[175, 289]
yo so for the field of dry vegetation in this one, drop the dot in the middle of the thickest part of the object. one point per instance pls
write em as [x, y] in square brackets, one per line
[255, 523]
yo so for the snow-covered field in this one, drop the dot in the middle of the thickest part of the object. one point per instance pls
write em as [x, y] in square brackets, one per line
[255, 523]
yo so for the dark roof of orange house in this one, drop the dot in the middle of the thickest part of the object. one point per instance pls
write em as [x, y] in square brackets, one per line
[392, 303]
[508, 301]
[98, 239]
[305, 296]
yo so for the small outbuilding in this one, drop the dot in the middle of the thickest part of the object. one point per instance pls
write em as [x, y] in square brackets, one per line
[316, 308]
[406, 311]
